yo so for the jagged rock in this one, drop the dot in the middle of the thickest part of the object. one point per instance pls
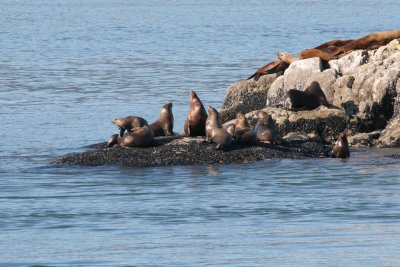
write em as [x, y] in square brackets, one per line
[245, 96]
[364, 139]
[364, 83]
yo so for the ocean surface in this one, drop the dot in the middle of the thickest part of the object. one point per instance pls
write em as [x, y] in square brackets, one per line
[68, 67]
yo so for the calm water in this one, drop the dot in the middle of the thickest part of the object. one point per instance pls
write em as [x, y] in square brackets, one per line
[68, 67]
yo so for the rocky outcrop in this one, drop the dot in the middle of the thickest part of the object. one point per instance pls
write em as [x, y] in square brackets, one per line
[178, 150]
[245, 96]
[364, 85]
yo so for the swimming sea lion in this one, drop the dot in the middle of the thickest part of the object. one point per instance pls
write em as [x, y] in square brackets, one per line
[269, 68]
[165, 123]
[195, 124]
[242, 132]
[266, 129]
[308, 99]
[113, 140]
[341, 147]
[370, 41]
[139, 131]
[214, 131]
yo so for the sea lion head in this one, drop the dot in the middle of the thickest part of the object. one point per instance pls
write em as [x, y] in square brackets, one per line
[212, 111]
[113, 140]
[230, 128]
[167, 106]
[260, 114]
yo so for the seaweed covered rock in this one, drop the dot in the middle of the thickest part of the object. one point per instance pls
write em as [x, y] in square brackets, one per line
[170, 151]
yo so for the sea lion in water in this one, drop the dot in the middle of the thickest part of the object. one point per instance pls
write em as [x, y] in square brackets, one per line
[265, 128]
[139, 131]
[341, 147]
[308, 99]
[242, 132]
[214, 131]
[269, 68]
[165, 123]
[195, 124]
[370, 41]
[113, 140]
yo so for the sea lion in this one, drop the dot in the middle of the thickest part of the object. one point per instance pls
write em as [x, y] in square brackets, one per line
[113, 140]
[242, 132]
[309, 99]
[287, 57]
[165, 123]
[142, 137]
[139, 131]
[341, 147]
[313, 52]
[370, 41]
[269, 68]
[265, 129]
[195, 124]
[129, 124]
[214, 131]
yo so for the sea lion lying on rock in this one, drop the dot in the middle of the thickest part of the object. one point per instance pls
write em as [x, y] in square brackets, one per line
[265, 128]
[214, 131]
[195, 124]
[165, 123]
[370, 41]
[309, 99]
[139, 132]
[341, 147]
[269, 68]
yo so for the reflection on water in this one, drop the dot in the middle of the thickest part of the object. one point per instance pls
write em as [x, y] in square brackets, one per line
[68, 67]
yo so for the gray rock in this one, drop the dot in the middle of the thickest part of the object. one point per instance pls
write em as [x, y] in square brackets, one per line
[245, 96]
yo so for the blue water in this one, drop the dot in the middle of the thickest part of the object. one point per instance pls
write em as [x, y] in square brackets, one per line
[68, 67]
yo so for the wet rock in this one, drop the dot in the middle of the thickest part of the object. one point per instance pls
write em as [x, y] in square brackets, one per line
[191, 151]
[364, 139]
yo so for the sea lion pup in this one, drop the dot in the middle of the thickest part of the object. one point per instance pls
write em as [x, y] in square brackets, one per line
[308, 99]
[265, 128]
[165, 123]
[242, 132]
[139, 132]
[269, 68]
[341, 147]
[113, 140]
[370, 41]
[214, 131]
[195, 124]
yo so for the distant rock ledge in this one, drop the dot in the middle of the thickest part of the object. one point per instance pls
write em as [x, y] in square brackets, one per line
[174, 151]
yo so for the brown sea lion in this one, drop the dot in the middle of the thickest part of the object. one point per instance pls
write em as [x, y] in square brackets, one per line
[370, 41]
[113, 140]
[266, 129]
[311, 98]
[269, 68]
[139, 131]
[341, 147]
[165, 123]
[334, 44]
[129, 124]
[214, 131]
[313, 52]
[287, 57]
[195, 124]
[142, 137]
[242, 132]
